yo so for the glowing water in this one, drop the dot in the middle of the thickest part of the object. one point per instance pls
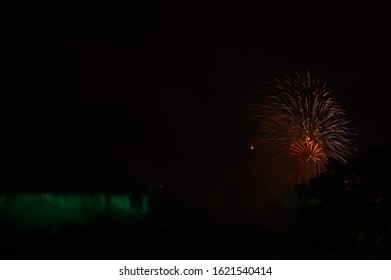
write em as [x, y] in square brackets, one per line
[54, 208]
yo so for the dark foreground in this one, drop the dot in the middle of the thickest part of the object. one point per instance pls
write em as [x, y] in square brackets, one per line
[342, 214]
[175, 232]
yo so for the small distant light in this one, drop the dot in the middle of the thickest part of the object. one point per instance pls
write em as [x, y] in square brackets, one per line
[252, 147]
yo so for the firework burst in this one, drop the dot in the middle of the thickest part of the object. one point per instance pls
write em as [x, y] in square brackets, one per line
[302, 125]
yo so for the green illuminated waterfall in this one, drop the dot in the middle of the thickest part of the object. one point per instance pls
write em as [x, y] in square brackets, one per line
[55, 208]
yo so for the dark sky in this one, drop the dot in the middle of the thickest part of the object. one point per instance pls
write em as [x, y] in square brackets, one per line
[161, 93]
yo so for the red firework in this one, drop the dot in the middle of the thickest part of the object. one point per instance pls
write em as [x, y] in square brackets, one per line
[300, 121]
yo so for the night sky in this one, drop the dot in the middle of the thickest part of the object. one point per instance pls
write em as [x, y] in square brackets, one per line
[161, 94]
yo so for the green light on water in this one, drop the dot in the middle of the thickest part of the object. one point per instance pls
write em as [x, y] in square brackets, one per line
[52, 208]
[121, 202]
[144, 204]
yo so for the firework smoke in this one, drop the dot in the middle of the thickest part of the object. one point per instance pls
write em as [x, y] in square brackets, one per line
[303, 127]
